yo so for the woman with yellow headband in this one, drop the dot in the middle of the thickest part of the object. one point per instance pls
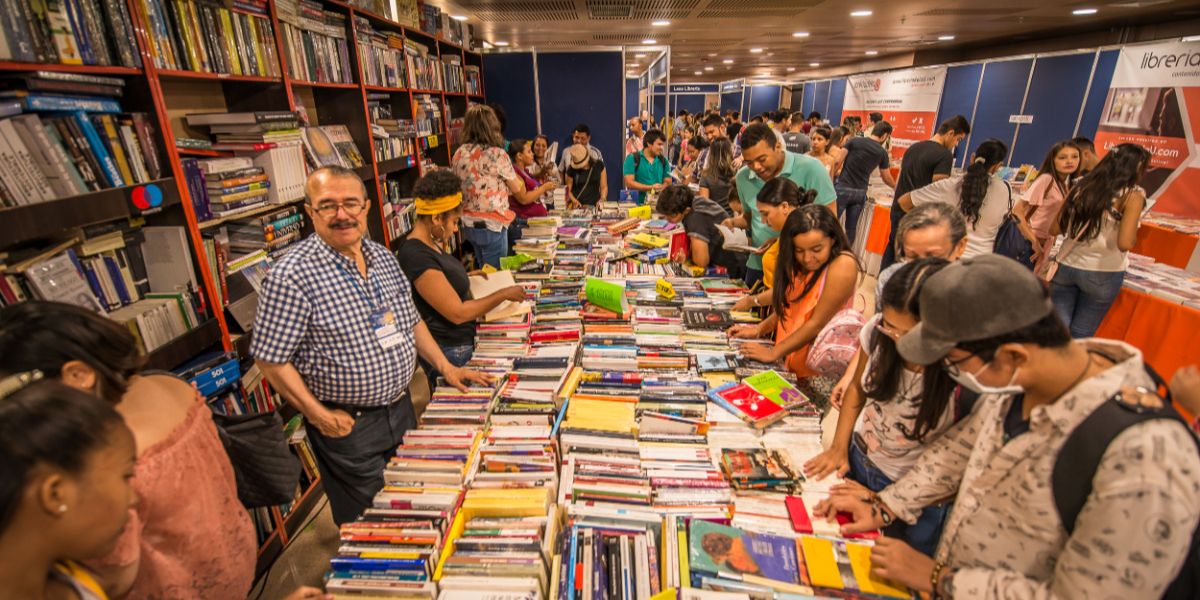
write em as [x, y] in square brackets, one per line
[442, 290]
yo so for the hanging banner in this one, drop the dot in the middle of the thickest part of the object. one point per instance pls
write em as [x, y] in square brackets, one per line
[1154, 101]
[908, 99]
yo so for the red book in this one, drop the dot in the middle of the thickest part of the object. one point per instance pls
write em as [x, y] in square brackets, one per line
[843, 518]
[801, 522]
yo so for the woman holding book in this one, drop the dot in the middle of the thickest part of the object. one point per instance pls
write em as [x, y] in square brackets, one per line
[776, 200]
[442, 289]
[544, 169]
[893, 409]
[525, 202]
[815, 278]
[700, 217]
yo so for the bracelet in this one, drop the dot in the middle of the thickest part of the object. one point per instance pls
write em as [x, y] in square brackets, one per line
[754, 297]
[933, 579]
[945, 585]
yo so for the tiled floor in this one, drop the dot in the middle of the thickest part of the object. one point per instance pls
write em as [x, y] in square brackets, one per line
[306, 559]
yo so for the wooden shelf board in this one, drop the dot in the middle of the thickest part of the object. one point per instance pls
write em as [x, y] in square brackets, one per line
[396, 165]
[300, 512]
[6, 65]
[458, 94]
[420, 91]
[185, 347]
[178, 74]
[45, 219]
[318, 84]
[267, 553]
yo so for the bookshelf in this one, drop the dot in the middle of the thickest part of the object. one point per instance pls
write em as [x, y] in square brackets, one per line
[189, 86]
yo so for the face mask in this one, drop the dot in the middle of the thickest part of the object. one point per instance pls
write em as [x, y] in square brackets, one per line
[971, 382]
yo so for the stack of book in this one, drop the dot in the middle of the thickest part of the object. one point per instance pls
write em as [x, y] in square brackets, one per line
[398, 210]
[87, 32]
[270, 139]
[394, 138]
[315, 42]
[436, 457]
[452, 73]
[761, 469]
[424, 69]
[204, 36]
[381, 55]
[428, 115]
[473, 79]
[272, 233]
[224, 187]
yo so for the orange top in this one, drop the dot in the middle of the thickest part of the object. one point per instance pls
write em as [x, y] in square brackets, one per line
[796, 314]
[192, 534]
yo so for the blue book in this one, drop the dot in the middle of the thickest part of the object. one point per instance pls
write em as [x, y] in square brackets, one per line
[195, 183]
[114, 273]
[79, 26]
[107, 164]
[94, 283]
[34, 101]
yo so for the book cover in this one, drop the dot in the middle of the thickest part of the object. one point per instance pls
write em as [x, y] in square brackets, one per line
[747, 404]
[721, 549]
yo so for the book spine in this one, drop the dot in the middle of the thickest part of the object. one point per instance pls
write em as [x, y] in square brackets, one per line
[105, 125]
[10, 175]
[119, 27]
[72, 139]
[39, 32]
[79, 28]
[16, 31]
[39, 158]
[194, 179]
[145, 134]
[134, 152]
[112, 174]
[53, 164]
[90, 10]
[75, 103]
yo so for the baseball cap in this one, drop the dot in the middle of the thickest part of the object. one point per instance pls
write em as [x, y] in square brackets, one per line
[973, 299]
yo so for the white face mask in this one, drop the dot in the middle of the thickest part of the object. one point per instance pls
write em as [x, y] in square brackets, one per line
[971, 382]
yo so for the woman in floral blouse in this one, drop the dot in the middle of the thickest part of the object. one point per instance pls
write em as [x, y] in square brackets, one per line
[488, 179]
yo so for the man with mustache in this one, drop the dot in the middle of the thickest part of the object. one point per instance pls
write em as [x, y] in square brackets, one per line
[337, 334]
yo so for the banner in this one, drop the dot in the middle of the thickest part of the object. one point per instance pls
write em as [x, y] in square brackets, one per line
[908, 99]
[1154, 101]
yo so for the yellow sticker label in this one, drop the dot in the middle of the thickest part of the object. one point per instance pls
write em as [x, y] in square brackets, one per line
[640, 212]
[489, 269]
[665, 289]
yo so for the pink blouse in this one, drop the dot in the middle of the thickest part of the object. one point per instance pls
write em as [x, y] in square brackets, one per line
[192, 534]
[1048, 198]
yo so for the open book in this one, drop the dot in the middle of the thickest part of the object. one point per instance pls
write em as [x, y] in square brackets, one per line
[736, 240]
[483, 286]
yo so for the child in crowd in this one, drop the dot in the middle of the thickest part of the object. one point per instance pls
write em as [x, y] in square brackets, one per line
[700, 217]
[1044, 197]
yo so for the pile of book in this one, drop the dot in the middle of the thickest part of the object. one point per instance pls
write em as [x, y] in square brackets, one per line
[191, 35]
[393, 137]
[381, 55]
[399, 210]
[452, 73]
[424, 68]
[224, 187]
[315, 42]
[84, 32]
[427, 117]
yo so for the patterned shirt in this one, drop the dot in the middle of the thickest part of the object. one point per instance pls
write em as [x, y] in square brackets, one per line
[1004, 534]
[485, 173]
[315, 312]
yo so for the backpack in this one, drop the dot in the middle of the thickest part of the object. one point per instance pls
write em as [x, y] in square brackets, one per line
[837, 344]
[1009, 241]
[1080, 456]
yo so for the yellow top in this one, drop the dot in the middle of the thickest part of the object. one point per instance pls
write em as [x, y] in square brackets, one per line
[437, 206]
[769, 259]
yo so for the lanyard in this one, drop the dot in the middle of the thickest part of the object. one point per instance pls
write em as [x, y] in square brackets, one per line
[362, 292]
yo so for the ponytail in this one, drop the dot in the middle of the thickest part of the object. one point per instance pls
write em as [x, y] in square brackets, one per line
[978, 178]
[675, 200]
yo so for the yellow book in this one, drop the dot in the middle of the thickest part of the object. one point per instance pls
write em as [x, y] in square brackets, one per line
[195, 40]
[860, 563]
[118, 151]
[649, 239]
[822, 564]
[685, 572]
[258, 57]
[228, 36]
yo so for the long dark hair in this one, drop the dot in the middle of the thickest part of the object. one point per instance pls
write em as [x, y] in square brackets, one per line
[1060, 181]
[782, 190]
[978, 177]
[1083, 211]
[804, 219]
[886, 366]
[720, 160]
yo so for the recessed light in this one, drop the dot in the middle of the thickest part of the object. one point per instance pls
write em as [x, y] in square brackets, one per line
[634, 65]
[458, 17]
[790, 69]
[500, 43]
[945, 38]
[1084, 11]
[728, 61]
[814, 64]
[872, 52]
[756, 51]
[660, 23]
[712, 54]
[649, 41]
[708, 68]
[861, 13]
[640, 55]
[698, 73]
[800, 34]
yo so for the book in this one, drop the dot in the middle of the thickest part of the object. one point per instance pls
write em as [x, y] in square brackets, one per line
[723, 550]
[844, 565]
[485, 286]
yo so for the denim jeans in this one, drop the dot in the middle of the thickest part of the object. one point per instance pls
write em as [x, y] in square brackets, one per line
[923, 535]
[1082, 298]
[889, 253]
[515, 230]
[489, 245]
[850, 204]
[457, 355]
[752, 277]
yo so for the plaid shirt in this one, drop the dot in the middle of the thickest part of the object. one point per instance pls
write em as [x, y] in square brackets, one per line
[314, 312]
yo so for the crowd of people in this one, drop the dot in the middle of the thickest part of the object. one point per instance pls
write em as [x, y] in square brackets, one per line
[972, 380]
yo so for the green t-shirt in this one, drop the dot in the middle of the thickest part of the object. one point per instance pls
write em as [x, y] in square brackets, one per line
[648, 173]
[804, 171]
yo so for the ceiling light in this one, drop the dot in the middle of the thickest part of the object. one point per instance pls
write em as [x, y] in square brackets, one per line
[799, 34]
[660, 23]
[814, 64]
[712, 54]
[945, 38]
[861, 13]
[728, 61]
[872, 52]
[708, 68]
[756, 51]
[649, 41]
[790, 69]
[634, 65]
[699, 73]
[458, 17]
[1084, 11]
[640, 55]
[500, 43]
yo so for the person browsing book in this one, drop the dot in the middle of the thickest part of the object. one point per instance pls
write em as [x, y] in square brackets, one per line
[337, 334]
[187, 536]
[543, 169]
[699, 216]
[776, 200]
[863, 155]
[990, 323]
[894, 409]
[648, 170]
[526, 202]
[442, 288]
[716, 173]
[587, 178]
[488, 179]
[815, 278]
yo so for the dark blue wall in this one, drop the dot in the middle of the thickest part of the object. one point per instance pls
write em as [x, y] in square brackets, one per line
[837, 99]
[584, 87]
[958, 96]
[658, 107]
[762, 98]
[731, 101]
[693, 103]
[810, 99]
[1098, 93]
[821, 99]
[508, 79]
[1000, 95]
[631, 98]
[1055, 97]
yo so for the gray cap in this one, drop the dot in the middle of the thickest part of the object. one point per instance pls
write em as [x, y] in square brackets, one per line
[973, 299]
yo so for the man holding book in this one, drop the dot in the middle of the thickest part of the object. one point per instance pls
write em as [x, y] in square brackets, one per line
[338, 335]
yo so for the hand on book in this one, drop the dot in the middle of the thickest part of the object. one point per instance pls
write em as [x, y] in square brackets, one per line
[894, 560]
[744, 303]
[308, 593]
[834, 460]
[513, 293]
[764, 353]
[333, 423]
[864, 516]
[461, 378]
[745, 332]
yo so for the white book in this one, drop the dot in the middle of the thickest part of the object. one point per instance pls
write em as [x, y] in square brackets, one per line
[168, 259]
[39, 186]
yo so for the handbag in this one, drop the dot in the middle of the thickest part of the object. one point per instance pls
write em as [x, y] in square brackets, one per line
[1009, 241]
[1050, 266]
[266, 470]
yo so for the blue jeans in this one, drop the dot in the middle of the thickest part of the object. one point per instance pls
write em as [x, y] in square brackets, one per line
[515, 230]
[753, 276]
[923, 535]
[457, 355]
[850, 204]
[889, 253]
[489, 245]
[1082, 298]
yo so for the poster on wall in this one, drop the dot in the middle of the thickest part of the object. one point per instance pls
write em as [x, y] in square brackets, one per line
[1154, 101]
[908, 99]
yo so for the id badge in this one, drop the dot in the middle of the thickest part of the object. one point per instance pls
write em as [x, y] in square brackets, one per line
[383, 321]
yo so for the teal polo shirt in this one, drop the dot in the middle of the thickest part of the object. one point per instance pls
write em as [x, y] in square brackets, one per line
[804, 171]
[648, 172]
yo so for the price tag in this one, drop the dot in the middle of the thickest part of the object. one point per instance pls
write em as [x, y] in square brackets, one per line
[665, 289]
[640, 212]
[489, 269]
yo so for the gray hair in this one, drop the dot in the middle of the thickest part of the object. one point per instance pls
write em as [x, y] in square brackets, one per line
[332, 172]
[929, 215]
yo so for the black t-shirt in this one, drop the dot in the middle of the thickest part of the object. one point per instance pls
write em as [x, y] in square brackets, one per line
[732, 130]
[863, 156]
[703, 226]
[718, 190]
[416, 258]
[921, 162]
[585, 183]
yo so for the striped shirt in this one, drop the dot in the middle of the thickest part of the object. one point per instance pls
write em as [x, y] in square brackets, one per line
[315, 313]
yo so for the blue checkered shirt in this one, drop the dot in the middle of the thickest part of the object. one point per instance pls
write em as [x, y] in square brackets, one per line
[314, 312]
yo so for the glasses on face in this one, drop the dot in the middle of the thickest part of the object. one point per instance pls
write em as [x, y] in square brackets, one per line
[952, 366]
[328, 210]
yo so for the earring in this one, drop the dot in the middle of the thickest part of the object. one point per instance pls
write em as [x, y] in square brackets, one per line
[62, 508]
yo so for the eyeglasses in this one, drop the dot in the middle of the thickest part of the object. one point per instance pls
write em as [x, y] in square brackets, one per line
[328, 210]
[952, 366]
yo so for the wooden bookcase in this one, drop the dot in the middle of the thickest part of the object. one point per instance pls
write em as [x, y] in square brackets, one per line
[169, 95]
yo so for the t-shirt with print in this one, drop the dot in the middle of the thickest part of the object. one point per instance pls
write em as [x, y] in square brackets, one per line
[703, 227]
[981, 236]
[798, 142]
[921, 162]
[883, 426]
[585, 183]
[647, 172]
[863, 157]
[415, 258]
[485, 172]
